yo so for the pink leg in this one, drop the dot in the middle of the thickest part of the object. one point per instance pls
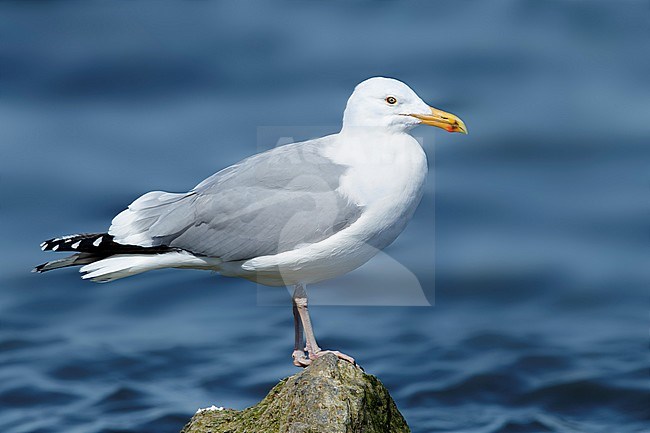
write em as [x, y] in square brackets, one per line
[300, 305]
[299, 357]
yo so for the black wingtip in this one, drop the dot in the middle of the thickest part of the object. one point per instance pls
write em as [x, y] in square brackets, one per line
[76, 242]
[97, 243]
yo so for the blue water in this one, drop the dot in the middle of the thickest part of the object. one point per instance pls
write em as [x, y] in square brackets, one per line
[537, 271]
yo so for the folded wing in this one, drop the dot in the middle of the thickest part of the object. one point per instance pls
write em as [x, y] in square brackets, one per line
[264, 205]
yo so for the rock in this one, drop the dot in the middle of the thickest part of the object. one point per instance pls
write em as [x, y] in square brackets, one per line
[330, 395]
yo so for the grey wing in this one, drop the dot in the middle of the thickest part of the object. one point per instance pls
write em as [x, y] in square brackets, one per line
[266, 204]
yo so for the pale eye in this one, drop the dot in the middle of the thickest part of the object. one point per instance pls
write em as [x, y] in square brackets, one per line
[391, 100]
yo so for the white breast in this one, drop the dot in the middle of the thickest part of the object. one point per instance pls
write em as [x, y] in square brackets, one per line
[386, 176]
[380, 167]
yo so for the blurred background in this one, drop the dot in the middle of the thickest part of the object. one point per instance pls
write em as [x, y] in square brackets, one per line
[539, 281]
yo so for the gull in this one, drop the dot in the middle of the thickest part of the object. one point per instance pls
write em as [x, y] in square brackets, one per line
[291, 216]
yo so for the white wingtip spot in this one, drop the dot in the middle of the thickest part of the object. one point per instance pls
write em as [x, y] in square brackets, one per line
[56, 247]
[75, 245]
[43, 246]
[98, 241]
[65, 238]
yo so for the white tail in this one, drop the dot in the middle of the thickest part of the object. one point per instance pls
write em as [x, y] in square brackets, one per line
[124, 265]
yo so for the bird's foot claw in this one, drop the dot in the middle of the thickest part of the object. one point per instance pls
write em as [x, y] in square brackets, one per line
[338, 354]
[300, 359]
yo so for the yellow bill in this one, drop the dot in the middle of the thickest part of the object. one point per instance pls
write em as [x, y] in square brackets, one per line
[442, 119]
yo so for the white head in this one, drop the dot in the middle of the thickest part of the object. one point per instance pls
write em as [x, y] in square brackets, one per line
[390, 104]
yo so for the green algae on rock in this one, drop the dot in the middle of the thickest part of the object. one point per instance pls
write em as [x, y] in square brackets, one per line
[330, 395]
